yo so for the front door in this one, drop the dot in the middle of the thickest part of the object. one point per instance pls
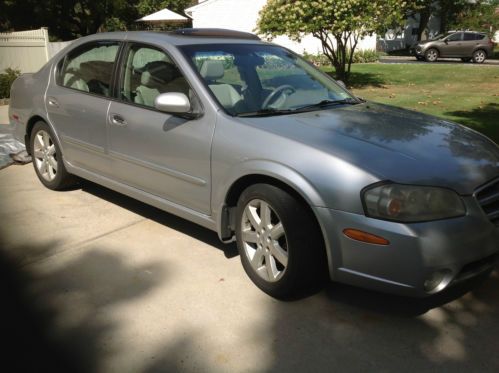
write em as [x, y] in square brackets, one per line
[153, 151]
[77, 102]
[452, 45]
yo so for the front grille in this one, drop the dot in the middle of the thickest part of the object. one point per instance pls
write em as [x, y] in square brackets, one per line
[488, 198]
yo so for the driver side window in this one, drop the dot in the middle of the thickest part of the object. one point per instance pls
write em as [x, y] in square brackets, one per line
[147, 73]
[455, 37]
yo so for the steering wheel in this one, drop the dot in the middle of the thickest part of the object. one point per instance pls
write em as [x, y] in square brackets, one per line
[276, 93]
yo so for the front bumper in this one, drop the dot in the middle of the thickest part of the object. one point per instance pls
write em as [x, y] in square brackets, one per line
[416, 51]
[461, 247]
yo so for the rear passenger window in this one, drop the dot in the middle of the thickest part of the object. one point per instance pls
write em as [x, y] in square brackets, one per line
[479, 36]
[468, 36]
[90, 68]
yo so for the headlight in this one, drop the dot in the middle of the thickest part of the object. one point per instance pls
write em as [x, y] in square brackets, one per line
[407, 203]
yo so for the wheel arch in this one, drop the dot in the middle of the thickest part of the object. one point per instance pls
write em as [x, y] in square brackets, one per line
[29, 128]
[226, 220]
[481, 48]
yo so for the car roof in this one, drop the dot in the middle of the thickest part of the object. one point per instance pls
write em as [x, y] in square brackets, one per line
[468, 31]
[181, 37]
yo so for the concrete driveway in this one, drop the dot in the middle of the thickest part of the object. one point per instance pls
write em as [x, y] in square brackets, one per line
[93, 281]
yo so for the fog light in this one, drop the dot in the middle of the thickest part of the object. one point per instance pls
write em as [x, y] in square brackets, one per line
[438, 281]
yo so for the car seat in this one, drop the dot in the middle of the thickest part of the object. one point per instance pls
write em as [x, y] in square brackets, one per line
[227, 95]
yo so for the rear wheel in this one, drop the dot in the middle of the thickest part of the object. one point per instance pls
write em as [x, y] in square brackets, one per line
[47, 159]
[280, 245]
[431, 55]
[479, 56]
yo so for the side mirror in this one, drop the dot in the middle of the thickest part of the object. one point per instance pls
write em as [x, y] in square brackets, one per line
[173, 102]
[341, 83]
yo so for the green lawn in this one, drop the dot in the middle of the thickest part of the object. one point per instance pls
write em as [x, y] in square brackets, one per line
[466, 94]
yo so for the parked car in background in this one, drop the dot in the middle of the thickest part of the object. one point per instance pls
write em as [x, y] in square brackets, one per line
[248, 139]
[467, 45]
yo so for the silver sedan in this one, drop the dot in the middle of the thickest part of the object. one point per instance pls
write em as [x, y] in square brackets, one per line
[249, 140]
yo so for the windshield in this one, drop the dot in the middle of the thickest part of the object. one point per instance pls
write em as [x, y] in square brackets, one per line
[255, 78]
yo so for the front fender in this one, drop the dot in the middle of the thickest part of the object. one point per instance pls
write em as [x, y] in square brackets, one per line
[260, 167]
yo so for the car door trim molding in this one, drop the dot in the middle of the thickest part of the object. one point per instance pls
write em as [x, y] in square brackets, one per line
[83, 145]
[167, 171]
[143, 196]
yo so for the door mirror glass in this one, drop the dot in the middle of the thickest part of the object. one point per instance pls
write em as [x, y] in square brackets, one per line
[172, 102]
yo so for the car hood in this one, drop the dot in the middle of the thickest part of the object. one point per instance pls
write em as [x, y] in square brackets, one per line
[426, 42]
[394, 144]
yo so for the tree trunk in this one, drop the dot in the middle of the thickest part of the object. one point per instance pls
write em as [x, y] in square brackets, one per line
[424, 18]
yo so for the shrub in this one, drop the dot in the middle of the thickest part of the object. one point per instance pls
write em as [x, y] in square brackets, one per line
[361, 56]
[6, 80]
[365, 56]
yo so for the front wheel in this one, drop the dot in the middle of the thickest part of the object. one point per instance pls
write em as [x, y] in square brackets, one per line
[47, 159]
[431, 55]
[479, 56]
[280, 245]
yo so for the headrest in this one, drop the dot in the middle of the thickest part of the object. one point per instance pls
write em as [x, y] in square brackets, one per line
[212, 70]
[158, 73]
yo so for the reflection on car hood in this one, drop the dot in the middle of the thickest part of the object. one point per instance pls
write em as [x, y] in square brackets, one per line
[394, 144]
[426, 42]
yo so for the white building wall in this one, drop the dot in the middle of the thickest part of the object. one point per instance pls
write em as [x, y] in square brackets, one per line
[242, 15]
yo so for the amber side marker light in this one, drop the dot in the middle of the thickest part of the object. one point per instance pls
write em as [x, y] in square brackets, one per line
[357, 235]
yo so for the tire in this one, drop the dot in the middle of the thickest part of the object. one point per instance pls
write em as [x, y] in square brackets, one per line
[282, 253]
[466, 59]
[419, 58]
[479, 56]
[47, 159]
[431, 55]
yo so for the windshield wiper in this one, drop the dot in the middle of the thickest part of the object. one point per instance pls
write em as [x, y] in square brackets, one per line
[327, 103]
[265, 112]
[322, 104]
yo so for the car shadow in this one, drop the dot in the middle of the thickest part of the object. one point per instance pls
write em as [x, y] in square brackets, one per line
[147, 211]
[362, 79]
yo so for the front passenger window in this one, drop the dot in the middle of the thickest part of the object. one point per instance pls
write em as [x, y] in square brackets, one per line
[147, 73]
[455, 37]
[90, 68]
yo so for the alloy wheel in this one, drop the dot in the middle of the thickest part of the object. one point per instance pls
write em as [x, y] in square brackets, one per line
[432, 55]
[44, 155]
[479, 56]
[264, 240]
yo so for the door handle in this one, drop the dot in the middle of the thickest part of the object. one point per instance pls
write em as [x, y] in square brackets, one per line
[52, 102]
[118, 120]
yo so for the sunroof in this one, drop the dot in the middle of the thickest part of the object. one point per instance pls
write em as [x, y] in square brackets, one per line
[215, 33]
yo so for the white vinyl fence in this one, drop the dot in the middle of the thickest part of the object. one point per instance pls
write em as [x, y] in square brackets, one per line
[27, 51]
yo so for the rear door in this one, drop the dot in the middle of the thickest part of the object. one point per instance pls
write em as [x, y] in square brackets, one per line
[469, 43]
[78, 100]
[159, 153]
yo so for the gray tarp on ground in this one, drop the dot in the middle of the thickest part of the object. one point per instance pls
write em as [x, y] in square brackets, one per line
[11, 150]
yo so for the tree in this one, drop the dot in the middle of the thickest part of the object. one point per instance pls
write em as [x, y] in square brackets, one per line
[70, 19]
[446, 10]
[450, 10]
[338, 24]
[483, 16]
[145, 7]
